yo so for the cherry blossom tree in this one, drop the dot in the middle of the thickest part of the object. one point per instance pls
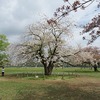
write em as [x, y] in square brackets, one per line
[82, 57]
[95, 52]
[78, 57]
[42, 43]
[93, 27]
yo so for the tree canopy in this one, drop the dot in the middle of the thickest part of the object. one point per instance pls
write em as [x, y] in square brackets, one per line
[43, 43]
[3, 46]
[93, 27]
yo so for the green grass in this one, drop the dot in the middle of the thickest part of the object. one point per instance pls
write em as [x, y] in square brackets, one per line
[76, 84]
[43, 90]
[24, 71]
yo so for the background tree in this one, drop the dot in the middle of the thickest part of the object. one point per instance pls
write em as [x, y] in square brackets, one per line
[78, 57]
[3, 46]
[95, 52]
[87, 57]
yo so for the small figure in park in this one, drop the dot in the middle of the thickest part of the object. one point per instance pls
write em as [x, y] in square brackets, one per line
[2, 71]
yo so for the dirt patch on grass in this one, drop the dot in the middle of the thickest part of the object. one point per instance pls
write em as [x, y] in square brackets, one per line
[56, 90]
[84, 83]
[80, 88]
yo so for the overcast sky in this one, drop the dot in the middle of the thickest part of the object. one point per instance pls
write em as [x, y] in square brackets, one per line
[15, 15]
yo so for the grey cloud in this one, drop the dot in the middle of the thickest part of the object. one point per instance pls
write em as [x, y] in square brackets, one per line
[24, 10]
[15, 15]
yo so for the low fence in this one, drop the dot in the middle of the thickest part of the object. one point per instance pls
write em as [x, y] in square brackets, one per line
[41, 74]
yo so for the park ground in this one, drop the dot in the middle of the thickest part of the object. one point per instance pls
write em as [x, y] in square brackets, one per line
[64, 84]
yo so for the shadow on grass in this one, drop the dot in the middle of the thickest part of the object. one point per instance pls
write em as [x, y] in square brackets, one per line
[80, 71]
[58, 91]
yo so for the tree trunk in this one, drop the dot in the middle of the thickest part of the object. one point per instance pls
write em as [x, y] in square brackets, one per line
[95, 68]
[48, 70]
[47, 67]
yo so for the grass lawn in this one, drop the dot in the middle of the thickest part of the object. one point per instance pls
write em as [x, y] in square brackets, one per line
[64, 84]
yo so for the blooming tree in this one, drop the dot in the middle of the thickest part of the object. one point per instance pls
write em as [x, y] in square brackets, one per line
[95, 52]
[92, 27]
[78, 56]
[42, 43]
